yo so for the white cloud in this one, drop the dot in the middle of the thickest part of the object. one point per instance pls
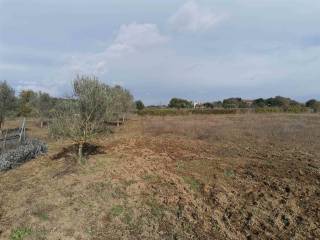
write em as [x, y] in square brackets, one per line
[140, 35]
[131, 38]
[192, 17]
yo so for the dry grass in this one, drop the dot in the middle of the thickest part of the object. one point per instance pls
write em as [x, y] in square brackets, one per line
[243, 127]
[188, 177]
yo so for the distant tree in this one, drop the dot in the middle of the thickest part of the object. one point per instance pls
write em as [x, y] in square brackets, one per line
[234, 103]
[127, 103]
[260, 102]
[208, 105]
[7, 98]
[282, 102]
[120, 105]
[313, 104]
[180, 103]
[139, 105]
[26, 103]
[278, 101]
[217, 104]
[83, 116]
[44, 105]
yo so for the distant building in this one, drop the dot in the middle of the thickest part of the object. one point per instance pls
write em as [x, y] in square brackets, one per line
[248, 102]
[198, 105]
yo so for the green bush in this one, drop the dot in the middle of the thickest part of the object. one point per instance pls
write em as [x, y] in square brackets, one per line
[180, 103]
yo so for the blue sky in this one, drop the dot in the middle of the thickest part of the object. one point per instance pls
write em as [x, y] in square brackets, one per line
[201, 50]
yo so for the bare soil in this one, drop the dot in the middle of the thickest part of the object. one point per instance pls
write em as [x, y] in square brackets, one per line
[247, 176]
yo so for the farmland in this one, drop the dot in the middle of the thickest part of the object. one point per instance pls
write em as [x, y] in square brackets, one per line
[234, 176]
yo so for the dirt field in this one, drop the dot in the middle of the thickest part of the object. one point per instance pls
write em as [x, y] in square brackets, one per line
[247, 176]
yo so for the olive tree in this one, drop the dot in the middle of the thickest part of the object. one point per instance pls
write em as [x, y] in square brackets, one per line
[127, 103]
[26, 103]
[121, 103]
[43, 105]
[7, 98]
[82, 116]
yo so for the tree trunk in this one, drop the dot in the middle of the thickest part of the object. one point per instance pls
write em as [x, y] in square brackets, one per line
[80, 152]
[1, 125]
[41, 123]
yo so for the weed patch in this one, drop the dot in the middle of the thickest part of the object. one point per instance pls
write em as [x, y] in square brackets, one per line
[157, 210]
[116, 210]
[194, 184]
[20, 233]
[229, 173]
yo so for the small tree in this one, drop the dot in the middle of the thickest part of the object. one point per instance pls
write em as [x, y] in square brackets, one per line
[43, 105]
[139, 105]
[26, 101]
[127, 103]
[6, 101]
[121, 104]
[115, 106]
[82, 117]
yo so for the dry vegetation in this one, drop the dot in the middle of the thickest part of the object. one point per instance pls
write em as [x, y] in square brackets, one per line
[244, 176]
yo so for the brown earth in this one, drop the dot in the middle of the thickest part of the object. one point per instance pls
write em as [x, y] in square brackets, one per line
[192, 177]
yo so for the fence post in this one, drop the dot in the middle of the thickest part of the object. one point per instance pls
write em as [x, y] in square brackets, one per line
[22, 131]
[5, 140]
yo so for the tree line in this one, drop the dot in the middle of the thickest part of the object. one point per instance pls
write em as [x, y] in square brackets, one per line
[231, 103]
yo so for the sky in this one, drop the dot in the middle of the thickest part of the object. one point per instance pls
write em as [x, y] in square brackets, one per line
[202, 50]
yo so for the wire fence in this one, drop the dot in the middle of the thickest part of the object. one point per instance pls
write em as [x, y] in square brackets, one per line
[16, 148]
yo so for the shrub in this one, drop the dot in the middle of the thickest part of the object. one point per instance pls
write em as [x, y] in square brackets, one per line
[296, 109]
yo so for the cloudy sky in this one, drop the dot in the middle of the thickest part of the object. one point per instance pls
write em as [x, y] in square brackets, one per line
[198, 49]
